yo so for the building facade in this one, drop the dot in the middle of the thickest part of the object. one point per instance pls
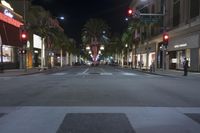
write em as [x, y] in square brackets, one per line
[10, 23]
[181, 21]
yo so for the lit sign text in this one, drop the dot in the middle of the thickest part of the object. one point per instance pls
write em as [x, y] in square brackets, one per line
[6, 4]
[7, 13]
[10, 20]
[180, 45]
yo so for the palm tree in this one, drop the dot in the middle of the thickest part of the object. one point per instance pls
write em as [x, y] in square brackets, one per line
[38, 22]
[41, 22]
[95, 29]
[95, 33]
[131, 36]
[114, 47]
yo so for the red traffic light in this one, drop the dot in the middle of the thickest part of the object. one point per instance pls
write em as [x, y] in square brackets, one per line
[130, 12]
[165, 37]
[23, 35]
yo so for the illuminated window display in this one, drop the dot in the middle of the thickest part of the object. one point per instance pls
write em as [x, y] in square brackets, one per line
[8, 54]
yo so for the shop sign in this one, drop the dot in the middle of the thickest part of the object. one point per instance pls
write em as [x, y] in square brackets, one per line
[10, 20]
[37, 41]
[180, 45]
[7, 13]
[6, 4]
[174, 60]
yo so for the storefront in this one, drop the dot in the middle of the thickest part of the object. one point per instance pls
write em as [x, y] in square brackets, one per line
[185, 47]
[8, 54]
[10, 23]
[146, 55]
[151, 59]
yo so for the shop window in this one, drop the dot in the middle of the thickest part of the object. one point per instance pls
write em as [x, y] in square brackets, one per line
[188, 56]
[180, 59]
[8, 54]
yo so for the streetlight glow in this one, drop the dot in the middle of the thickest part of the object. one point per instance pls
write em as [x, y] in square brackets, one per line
[88, 48]
[62, 18]
[102, 48]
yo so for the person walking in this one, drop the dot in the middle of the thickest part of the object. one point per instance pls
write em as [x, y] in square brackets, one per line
[185, 67]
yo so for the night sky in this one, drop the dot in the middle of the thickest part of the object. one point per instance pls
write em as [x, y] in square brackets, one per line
[77, 12]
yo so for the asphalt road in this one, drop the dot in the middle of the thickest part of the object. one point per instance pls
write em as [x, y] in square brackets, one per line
[99, 86]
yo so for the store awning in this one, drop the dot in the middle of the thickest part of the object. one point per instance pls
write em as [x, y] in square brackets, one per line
[9, 34]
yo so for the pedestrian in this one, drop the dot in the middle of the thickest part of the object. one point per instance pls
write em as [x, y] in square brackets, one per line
[152, 67]
[185, 66]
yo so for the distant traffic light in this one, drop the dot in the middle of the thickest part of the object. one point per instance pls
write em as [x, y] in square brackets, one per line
[23, 36]
[165, 39]
[22, 51]
[130, 12]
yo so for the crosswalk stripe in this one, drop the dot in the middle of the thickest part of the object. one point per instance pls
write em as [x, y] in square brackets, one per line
[105, 73]
[167, 119]
[129, 74]
[58, 74]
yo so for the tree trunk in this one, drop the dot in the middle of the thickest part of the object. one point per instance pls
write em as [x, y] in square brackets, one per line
[67, 58]
[61, 58]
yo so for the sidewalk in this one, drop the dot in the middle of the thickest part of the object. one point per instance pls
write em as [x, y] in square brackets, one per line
[173, 73]
[21, 72]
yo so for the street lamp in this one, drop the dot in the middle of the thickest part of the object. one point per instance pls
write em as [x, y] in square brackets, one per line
[61, 18]
[102, 47]
[88, 48]
[127, 54]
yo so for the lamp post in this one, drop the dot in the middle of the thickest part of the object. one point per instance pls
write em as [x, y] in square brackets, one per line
[127, 55]
[145, 4]
[1, 48]
[61, 50]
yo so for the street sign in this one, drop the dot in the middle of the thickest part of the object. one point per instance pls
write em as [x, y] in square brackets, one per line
[150, 20]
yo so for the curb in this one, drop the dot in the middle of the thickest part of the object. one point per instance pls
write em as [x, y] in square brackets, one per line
[35, 72]
[152, 73]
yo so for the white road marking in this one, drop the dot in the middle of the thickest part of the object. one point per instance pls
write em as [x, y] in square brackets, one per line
[84, 72]
[129, 74]
[119, 70]
[58, 74]
[166, 119]
[105, 73]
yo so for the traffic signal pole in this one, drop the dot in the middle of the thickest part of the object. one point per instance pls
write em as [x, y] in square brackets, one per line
[137, 14]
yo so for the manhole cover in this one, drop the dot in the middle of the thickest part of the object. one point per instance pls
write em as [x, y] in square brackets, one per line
[95, 123]
[194, 116]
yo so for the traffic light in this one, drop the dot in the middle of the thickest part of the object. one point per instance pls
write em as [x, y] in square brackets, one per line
[22, 51]
[23, 36]
[165, 39]
[130, 12]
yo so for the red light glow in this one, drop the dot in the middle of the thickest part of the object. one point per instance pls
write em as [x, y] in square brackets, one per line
[24, 36]
[130, 11]
[166, 37]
